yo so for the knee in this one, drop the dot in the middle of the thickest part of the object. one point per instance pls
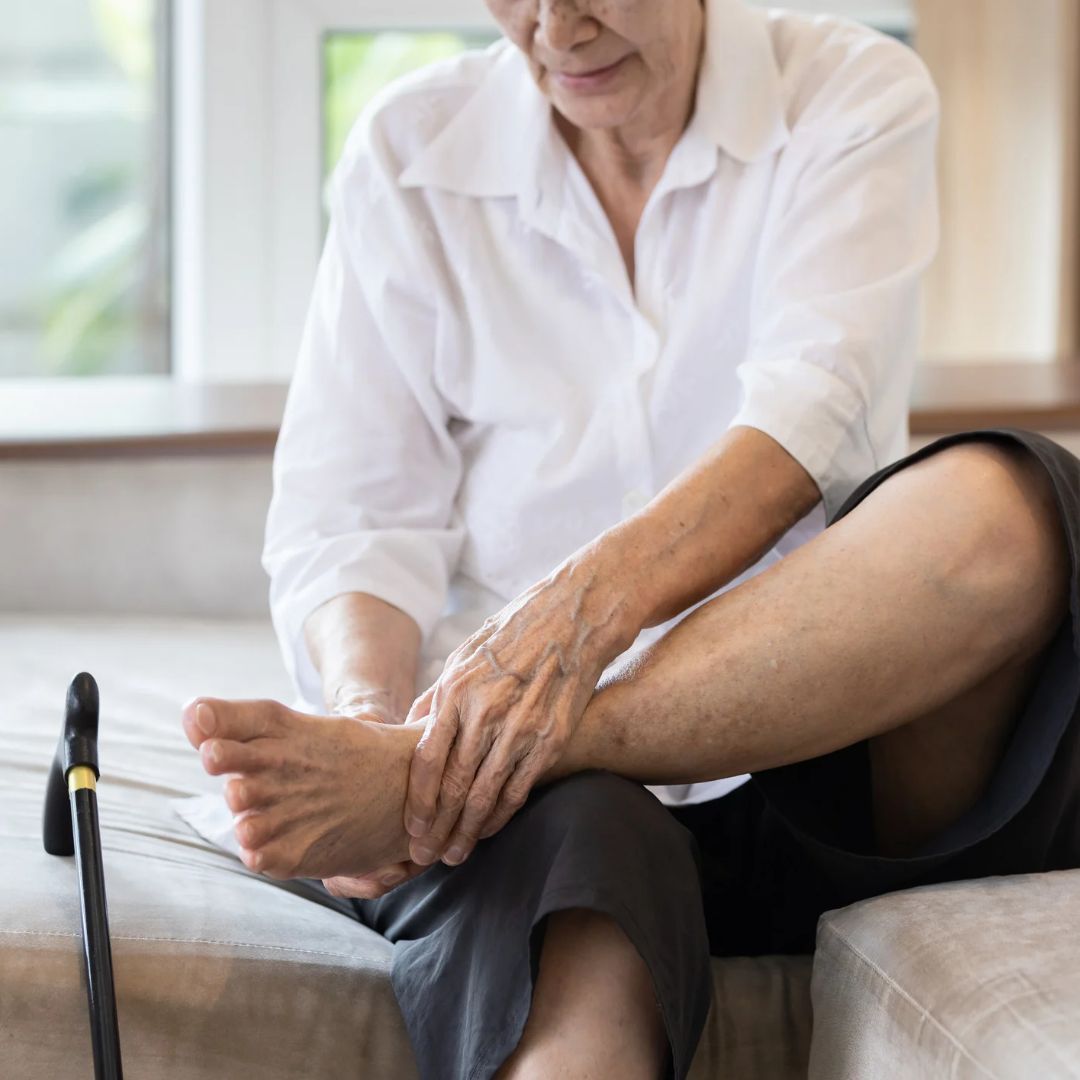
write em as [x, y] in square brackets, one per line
[1008, 537]
[1006, 491]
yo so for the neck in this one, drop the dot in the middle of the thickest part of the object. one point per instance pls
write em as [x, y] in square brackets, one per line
[635, 158]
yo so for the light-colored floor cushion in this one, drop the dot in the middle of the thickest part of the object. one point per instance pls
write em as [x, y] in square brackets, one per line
[220, 973]
[967, 980]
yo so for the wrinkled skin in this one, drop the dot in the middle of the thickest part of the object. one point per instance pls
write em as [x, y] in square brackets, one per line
[505, 706]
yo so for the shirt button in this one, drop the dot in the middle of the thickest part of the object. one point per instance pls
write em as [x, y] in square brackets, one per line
[633, 501]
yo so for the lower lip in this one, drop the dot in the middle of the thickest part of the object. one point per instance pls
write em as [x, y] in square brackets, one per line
[594, 80]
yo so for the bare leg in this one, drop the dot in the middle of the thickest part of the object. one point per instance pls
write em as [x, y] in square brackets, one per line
[932, 597]
[594, 1013]
[950, 576]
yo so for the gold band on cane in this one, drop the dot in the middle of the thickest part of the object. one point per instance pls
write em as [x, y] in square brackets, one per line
[81, 776]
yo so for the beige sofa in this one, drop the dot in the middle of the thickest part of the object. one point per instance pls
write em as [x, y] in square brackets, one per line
[223, 974]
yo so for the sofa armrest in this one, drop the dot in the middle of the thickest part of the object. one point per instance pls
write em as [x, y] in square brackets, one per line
[969, 979]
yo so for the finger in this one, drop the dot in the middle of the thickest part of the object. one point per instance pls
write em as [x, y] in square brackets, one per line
[422, 705]
[428, 764]
[491, 778]
[514, 795]
[462, 764]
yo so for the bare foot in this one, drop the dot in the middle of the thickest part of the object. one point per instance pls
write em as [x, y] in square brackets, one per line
[315, 796]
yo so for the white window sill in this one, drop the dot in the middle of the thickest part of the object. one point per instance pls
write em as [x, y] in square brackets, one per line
[156, 416]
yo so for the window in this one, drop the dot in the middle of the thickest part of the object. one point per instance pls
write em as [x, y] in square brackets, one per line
[357, 65]
[896, 17]
[84, 191]
[266, 91]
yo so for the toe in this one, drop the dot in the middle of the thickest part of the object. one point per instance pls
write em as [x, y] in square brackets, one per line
[355, 888]
[240, 721]
[220, 756]
[277, 860]
[192, 720]
[251, 859]
[255, 831]
[246, 793]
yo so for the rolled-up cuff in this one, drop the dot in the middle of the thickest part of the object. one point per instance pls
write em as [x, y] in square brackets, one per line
[817, 417]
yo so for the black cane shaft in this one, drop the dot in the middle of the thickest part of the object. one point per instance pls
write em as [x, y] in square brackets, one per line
[105, 1032]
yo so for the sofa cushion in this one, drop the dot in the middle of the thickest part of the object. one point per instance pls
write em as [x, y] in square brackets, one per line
[221, 973]
[971, 979]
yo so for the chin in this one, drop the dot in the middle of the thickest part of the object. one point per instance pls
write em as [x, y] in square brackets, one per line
[596, 113]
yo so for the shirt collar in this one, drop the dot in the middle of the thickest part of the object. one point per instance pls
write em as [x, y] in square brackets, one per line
[500, 141]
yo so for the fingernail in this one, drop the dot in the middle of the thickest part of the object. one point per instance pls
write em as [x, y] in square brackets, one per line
[204, 717]
[393, 879]
[455, 855]
[416, 826]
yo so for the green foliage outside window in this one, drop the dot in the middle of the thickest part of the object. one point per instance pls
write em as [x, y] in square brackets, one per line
[101, 303]
[358, 66]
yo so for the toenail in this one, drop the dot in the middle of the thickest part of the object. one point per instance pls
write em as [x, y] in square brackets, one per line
[455, 855]
[204, 717]
[425, 854]
[416, 826]
[257, 860]
[390, 880]
[215, 753]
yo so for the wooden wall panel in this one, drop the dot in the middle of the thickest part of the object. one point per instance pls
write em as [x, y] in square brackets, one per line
[1004, 283]
[1069, 317]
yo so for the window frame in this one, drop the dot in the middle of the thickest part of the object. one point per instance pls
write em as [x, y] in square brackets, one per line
[248, 191]
[892, 15]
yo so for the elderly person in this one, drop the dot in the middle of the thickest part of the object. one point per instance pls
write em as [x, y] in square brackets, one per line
[611, 318]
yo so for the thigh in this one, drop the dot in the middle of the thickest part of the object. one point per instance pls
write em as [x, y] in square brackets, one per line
[926, 775]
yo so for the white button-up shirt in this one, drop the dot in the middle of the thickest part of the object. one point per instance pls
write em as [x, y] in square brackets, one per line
[481, 390]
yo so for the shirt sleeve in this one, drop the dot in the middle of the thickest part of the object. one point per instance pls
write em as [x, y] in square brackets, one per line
[836, 299]
[365, 471]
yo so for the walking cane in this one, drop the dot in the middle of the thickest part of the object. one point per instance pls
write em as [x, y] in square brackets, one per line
[71, 827]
